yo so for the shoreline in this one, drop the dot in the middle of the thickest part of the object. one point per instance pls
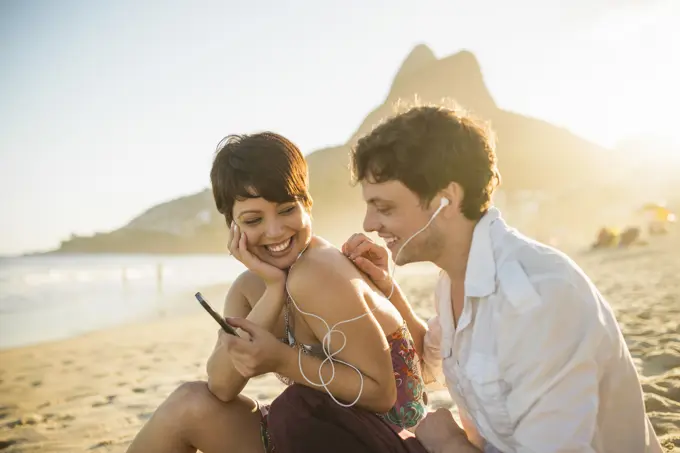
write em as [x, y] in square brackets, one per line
[166, 306]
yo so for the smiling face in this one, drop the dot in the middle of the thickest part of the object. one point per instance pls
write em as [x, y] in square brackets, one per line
[260, 181]
[396, 214]
[276, 232]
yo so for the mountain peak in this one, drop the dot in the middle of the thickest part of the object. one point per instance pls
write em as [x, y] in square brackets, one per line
[466, 61]
[420, 56]
[458, 77]
[425, 79]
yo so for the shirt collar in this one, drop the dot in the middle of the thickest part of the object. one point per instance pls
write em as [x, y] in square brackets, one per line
[480, 274]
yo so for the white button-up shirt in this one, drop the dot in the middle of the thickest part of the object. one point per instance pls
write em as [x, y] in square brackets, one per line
[537, 363]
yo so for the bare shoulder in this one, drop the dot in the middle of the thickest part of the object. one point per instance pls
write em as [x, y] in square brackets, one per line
[322, 267]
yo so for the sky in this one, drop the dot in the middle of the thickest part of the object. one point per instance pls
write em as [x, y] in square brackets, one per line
[107, 108]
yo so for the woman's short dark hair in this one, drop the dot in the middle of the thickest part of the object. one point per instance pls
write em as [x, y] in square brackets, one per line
[265, 165]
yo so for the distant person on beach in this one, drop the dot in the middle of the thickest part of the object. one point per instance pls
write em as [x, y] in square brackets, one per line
[529, 350]
[260, 185]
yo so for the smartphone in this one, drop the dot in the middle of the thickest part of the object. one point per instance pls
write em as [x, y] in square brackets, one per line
[220, 320]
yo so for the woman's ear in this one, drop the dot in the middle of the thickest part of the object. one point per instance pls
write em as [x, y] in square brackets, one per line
[308, 211]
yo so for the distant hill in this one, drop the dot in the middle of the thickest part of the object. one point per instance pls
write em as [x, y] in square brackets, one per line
[188, 224]
[533, 156]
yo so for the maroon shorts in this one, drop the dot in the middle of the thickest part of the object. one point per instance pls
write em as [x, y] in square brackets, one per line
[302, 420]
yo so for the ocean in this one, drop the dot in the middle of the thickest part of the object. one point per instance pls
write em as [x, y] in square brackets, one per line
[50, 297]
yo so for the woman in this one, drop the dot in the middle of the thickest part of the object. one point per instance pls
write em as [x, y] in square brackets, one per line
[260, 185]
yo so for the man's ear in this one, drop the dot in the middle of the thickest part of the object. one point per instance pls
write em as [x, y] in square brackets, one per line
[455, 193]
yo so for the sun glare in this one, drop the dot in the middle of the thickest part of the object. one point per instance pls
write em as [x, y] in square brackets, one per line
[637, 78]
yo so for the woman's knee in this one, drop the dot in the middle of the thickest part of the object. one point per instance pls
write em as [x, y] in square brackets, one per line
[195, 400]
[191, 400]
[190, 391]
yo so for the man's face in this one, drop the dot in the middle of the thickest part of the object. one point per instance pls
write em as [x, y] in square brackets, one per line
[396, 213]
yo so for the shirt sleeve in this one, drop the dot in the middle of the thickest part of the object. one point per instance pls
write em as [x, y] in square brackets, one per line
[547, 356]
[433, 374]
[432, 360]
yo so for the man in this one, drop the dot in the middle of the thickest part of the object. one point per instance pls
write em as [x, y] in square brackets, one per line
[529, 350]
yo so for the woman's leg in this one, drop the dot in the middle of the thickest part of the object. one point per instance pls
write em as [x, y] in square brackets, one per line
[193, 419]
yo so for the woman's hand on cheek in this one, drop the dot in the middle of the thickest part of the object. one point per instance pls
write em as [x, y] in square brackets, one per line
[238, 246]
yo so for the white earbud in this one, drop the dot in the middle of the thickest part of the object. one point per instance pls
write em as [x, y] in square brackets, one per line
[444, 202]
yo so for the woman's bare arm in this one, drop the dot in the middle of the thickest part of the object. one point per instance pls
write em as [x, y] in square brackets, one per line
[223, 379]
[326, 284]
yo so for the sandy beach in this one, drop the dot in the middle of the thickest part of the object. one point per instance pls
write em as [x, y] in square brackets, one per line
[94, 392]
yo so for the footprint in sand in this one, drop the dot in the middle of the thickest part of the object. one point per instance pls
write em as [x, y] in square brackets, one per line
[136, 406]
[30, 419]
[144, 416]
[5, 411]
[661, 361]
[8, 443]
[59, 418]
[664, 423]
[79, 396]
[109, 400]
[140, 410]
[658, 403]
[103, 443]
[670, 341]
[668, 386]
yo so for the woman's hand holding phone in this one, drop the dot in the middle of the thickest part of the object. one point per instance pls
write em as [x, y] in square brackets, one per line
[220, 320]
[238, 247]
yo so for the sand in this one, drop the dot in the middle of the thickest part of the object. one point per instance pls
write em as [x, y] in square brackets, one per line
[94, 392]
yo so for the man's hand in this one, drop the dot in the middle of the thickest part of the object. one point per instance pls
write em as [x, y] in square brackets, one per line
[370, 258]
[259, 354]
[439, 433]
